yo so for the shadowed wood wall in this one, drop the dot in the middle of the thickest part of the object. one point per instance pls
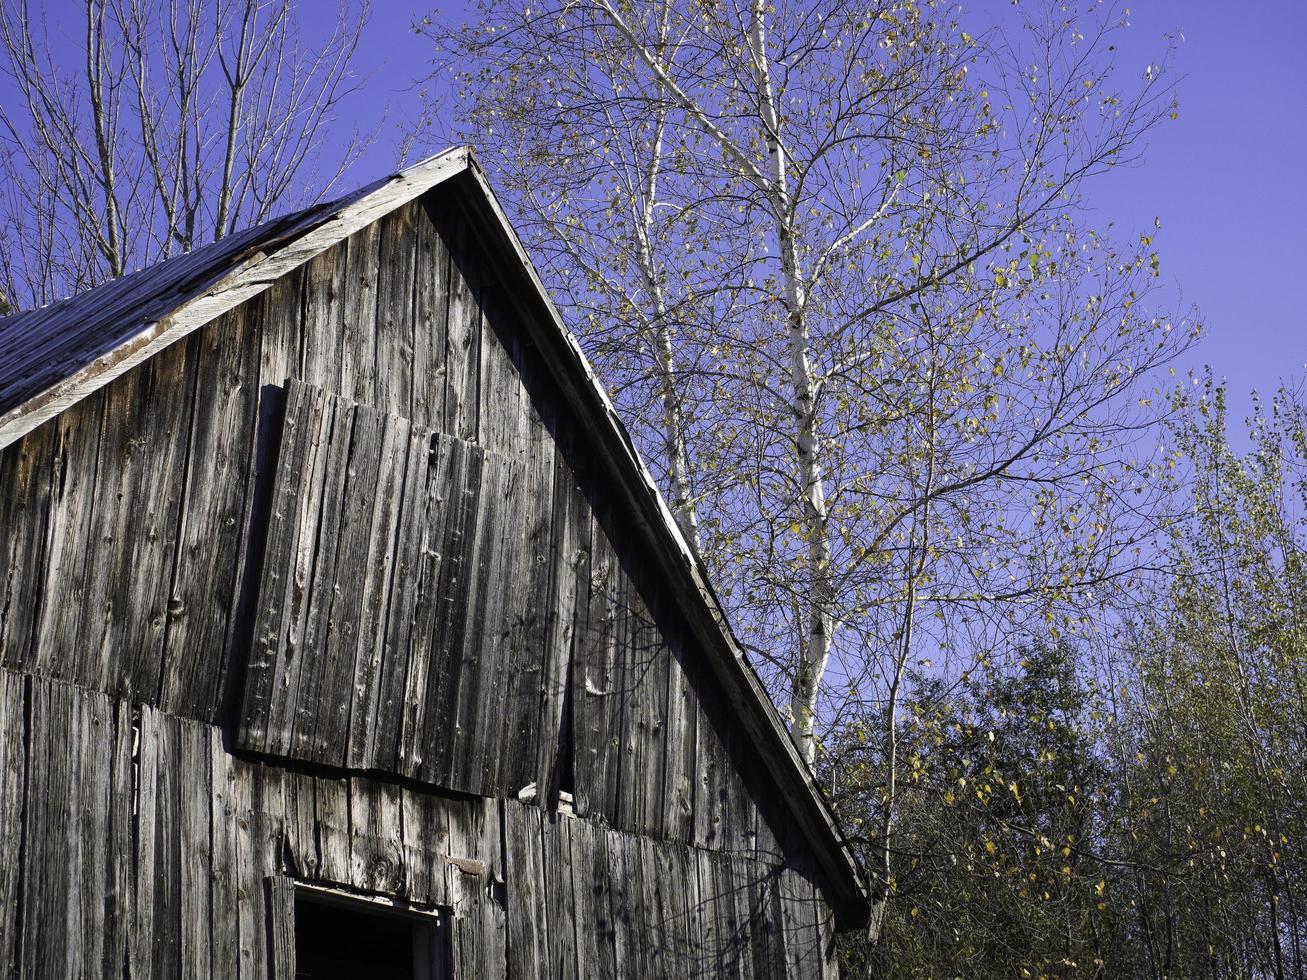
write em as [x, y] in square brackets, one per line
[141, 848]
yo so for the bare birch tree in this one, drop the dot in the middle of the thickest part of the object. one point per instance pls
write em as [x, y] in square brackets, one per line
[917, 382]
[177, 123]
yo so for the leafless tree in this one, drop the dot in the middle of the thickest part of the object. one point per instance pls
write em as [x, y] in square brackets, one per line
[165, 125]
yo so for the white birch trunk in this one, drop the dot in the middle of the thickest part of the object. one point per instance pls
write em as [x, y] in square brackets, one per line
[814, 651]
[674, 443]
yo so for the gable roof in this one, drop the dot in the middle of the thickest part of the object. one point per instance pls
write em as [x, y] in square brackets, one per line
[53, 357]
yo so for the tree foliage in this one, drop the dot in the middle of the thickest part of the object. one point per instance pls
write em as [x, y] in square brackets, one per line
[1133, 806]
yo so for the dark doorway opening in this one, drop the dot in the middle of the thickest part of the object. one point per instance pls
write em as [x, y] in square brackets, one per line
[337, 938]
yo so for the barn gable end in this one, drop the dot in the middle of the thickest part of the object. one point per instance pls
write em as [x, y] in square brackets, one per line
[347, 512]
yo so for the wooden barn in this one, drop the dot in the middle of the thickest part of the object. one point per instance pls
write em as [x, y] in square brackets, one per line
[343, 634]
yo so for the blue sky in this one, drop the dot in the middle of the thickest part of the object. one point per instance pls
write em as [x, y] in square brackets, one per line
[1226, 178]
[1227, 181]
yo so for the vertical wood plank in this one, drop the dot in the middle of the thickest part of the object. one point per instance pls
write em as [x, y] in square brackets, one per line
[637, 891]
[224, 911]
[657, 930]
[622, 897]
[525, 874]
[49, 919]
[326, 662]
[561, 899]
[167, 958]
[357, 353]
[593, 925]
[136, 510]
[741, 830]
[567, 608]
[444, 613]
[426, 846]
[507, 421]
[376, 836]
[93, 890]
[273, 668]
[462, 354]
[397, 253]
[299, 848]
[152, 493]
[430, 310]
[529, 661]
[281, 927]
[475, 888]
[117, 908]
[68, 565]
[714, 943]
[644, 685]
[192, 793]
[378, 589]
[803, 955]
[81, 866]
[710, 796]
[331, 810]
[146, 856]
[477, 735]
[679, 755]
[769, 950]
[749, 925]
[766, 845]
[13, 759]
[695, 925]
[241, 640]
[597, 696]
[410, 565]
[433, 498]
[258, 841]
[281, 328]
[217, 483]
[825, 921]
[322, 318]
[682, 886]
[25, 486]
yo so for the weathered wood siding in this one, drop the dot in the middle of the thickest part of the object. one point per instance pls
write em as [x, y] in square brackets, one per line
[426, 611]
[146, 850]
[143, 537]
[349, 523]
